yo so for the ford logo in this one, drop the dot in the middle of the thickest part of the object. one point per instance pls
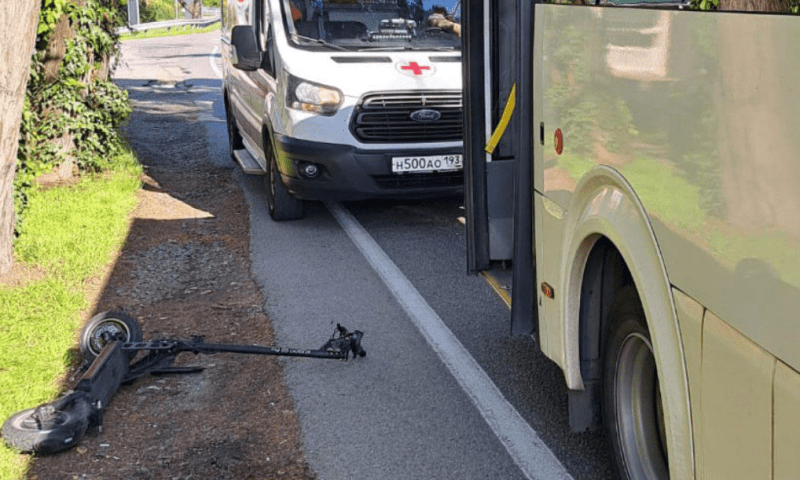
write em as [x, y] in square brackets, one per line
[425, 115]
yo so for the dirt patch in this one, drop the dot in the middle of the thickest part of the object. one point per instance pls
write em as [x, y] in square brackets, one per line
[184, 270]
[21, 274]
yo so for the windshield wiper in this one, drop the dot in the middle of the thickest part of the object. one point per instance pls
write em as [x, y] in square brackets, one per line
[319, 41]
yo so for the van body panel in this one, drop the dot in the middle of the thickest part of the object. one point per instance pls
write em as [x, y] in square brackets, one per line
[350, 173]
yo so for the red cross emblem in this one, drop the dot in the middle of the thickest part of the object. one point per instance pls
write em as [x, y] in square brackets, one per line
[415, 69]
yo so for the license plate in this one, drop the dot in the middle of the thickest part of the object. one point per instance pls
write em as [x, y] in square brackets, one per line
[427, 164]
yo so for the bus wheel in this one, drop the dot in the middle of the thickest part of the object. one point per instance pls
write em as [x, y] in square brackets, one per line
[633, 411]
[282, 205]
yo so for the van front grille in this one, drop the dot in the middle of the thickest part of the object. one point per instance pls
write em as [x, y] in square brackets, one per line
[387, 117]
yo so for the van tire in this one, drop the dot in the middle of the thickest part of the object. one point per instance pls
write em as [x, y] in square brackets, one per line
[281, 204]
[235, 141]
[632, 406]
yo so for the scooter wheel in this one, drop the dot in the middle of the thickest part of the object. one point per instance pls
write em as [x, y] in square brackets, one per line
[107, 326]
[44, 434]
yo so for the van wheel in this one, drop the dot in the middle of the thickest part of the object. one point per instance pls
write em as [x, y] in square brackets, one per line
[633, 412]
[235, 141]
[282, 205]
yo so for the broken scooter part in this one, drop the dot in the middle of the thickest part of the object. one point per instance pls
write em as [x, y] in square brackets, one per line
[108, 344]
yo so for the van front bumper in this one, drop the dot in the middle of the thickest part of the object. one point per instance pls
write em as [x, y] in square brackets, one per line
[348, 173]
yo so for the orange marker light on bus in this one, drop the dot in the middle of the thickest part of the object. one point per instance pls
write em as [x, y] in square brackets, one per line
[559, 139]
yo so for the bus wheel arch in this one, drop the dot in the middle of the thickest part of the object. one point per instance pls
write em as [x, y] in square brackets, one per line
[607, 222]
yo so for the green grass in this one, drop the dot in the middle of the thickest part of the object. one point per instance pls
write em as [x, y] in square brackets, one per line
[778, 249]
[69, 234]
[171, 32]
[575, 165]
[667, 196]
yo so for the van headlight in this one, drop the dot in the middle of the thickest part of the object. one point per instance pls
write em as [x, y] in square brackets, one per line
[312, 97]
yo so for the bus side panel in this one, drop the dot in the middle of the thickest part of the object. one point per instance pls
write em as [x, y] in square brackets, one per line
[698, 112]
[736, 404]
[787, 423]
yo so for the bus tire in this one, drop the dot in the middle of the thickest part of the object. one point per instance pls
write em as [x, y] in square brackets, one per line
[632, 408]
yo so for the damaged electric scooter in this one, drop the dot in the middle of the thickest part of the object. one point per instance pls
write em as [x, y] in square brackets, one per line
[108, 344]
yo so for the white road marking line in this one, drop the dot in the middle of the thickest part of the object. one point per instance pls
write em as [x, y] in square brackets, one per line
[213, 64]
[527, 450]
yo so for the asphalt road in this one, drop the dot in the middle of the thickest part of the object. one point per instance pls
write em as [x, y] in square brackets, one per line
[445, 391]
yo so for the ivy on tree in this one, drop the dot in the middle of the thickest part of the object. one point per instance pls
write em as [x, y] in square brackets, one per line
[72, 110]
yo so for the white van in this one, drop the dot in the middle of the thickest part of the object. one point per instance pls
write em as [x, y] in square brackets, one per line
[343, 99]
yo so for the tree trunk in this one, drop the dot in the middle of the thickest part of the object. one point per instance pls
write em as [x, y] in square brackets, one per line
[54, 58]
[18, 22]
[193, 7]
[756, 144]
[771, 6]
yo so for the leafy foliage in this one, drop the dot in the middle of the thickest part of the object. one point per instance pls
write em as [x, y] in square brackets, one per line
[793, 5]
[578, 100]
[705, 4]
[71, 108]
[159, 10]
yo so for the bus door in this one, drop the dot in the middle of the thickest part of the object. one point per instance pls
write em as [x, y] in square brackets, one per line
[497, 53]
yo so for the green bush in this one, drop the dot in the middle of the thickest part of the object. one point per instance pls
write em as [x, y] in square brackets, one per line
[159, 10]
[156, 10]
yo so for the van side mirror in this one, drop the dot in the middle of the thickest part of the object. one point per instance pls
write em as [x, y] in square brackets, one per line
[244, 49]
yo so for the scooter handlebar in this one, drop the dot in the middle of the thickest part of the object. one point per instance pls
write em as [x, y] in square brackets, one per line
[345, 342]
[355, 344]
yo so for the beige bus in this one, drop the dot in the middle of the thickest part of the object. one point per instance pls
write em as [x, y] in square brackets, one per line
[654, 224]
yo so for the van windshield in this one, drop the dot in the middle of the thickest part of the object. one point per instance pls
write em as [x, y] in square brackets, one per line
[358, 25]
